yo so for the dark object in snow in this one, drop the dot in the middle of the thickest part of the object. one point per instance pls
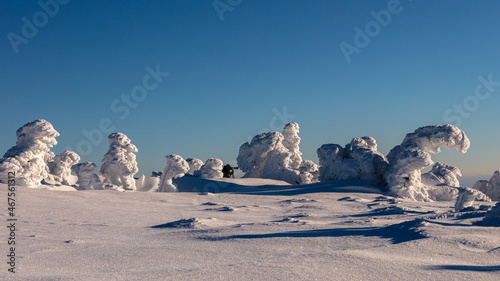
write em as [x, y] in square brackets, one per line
[156, 174]
[228, 171]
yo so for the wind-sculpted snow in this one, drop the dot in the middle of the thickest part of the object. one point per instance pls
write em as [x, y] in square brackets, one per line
[277, 156]
[119, 164]
[29, 157]
[194, 166]
[212, 169]
[60, 167]
[87, 179]
[491, 187]
[176, 167]
[408, 159]
[358, 160]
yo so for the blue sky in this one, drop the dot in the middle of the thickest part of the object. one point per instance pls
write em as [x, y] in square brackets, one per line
[234, 73]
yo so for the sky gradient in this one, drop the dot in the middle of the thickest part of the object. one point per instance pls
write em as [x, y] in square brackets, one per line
[199, 78]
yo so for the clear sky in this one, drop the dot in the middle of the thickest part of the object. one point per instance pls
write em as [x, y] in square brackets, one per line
[341, 69]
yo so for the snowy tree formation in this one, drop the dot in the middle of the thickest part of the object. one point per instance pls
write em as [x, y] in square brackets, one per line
[87, 179]
[195, 165]
[275, 155]
[60, 168]
[491, 188]
[176, 167]
[29, 157]
[357, 160]
[212, 169]
[119, 164]
[404, 177]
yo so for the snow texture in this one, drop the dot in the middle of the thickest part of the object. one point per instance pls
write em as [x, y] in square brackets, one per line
[491, 187]
[194, 166]
[406, 161]
[29, 157]
[87, 179]
[492, 217]
[147, 183]
[60, 167]
[176, 167]
[274, 155]
[119, 164]
[358, 160]
[442, 174]
[467, 196]
[212, 169]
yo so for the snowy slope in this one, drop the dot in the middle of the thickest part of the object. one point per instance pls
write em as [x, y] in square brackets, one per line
[246, 229]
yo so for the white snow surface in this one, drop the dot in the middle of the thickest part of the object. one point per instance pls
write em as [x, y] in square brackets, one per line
[253, 229]
[119, 164]
[29, 157]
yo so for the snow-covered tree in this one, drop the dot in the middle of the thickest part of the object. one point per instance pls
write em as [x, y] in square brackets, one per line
[176, 167]
[29, 157]
[274, 155]
[87, 179]
[467, 196]
[442, 174]
[212, 169]
[308, 172]
[358, 160]
[60, 167]
[408, 159]
[119, 164]
[491, 187]
[195, 165]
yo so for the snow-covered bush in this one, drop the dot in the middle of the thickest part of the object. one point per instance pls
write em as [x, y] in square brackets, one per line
[491, 187]
[408, 159]
[147, 183]
[29, 157]
[442, 174]
[308, 172]
[357, 160]
[212, 169]
[274, 155]
[194, 166]
[119, 164]
[87, 179]
[176, 167]
[60, 167]
[467, 196]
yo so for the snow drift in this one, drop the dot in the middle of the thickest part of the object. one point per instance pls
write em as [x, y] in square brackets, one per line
[29, 157]
[119, 164]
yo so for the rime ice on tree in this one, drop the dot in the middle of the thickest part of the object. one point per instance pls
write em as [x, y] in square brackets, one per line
[408, 159]
[119, 165]
[442, 173]
[212, 169]
[195, 165]
[358, 160]
[60, 167]
[491, 187]
[176, 167]
[87, 179]
[277, 156]
[29, 157]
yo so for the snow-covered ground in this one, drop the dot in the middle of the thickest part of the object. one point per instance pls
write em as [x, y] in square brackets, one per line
[245, 229]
